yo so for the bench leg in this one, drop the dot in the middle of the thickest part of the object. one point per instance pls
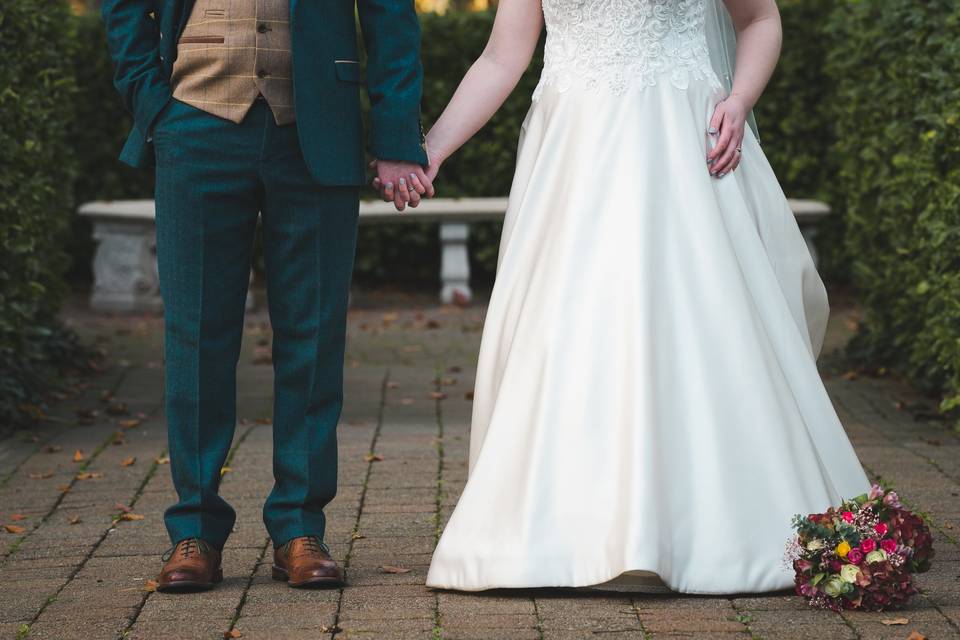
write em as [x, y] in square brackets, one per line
[455, 263]
[809, 232]
[125, 267]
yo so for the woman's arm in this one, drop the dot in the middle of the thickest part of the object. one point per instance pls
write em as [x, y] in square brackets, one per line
[489, 81]
[758, 47]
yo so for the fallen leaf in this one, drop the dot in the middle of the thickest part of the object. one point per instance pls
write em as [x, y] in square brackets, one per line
[356, 535]
[894, 621]
[128, 462]
[64, 488]
[390, 317]
[406, 402]
[224, 471]
[131, 516]
[150, 586]
[916, 635]
[74, 520]
[331, 629]
[468, 395]
[233, 633]
[118, 409]
[373, 457]
[438, 395]
[448, 382]
[122, 507]
[14, 529]
[851, 375]
[163, 460]
[41, 476]
[262, 355]
[78, 456]
[393, 385]
[119, 438]
[52, 448]
[17, 517]
[89, 475]
[454, 369]
[87, 415]
[392, 569]
[129, 423]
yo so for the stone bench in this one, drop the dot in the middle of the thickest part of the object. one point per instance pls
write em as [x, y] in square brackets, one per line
[125, 263]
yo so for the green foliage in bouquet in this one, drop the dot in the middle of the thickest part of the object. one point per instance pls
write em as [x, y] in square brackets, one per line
[37, 168]
[897, 106]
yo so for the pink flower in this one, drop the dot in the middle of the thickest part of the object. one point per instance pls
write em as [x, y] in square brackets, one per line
[881, 528]
[868, 545]
[889, 545]
[854, 556]
[847, 516]
[892, 500]
[875, 492]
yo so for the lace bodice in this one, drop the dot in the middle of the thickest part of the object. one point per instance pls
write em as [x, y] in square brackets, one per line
[615, 45]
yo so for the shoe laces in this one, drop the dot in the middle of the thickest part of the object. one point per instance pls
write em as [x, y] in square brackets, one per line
[312, 545]
[187, 548]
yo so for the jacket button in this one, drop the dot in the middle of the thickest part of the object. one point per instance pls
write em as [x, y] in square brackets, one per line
[263, 73]
[262, 28]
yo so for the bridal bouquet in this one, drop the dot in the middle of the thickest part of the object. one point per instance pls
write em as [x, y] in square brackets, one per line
[860, 555]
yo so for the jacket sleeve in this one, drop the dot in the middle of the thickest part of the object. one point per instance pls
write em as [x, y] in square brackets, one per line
[133, 37]
[391, 34]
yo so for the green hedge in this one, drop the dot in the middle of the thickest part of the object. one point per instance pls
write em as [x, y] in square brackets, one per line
[37, 167]
[897, 111]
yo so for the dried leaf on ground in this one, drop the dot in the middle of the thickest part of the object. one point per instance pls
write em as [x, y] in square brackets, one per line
[373, 457]
[393, 385]
[468, 395]
[74, 520]
[233, 633]
[224, 471]
[356, 535]
[64, 488]
[128, 462]
[78, 456]
[118, 409]
[850, 375]
[41, 476]
[87, 414]
[438, 395]
[150, 586]
[332, 629]
[388, 568]
[916, 635]
[163, 460]
[454, 369]
[14, 529]
[17, 517]
[122, 507]
[406, 402]
[130, 517]
[89, 475]
[894, 621]
[262, 355]
[119, 438]
[50, 448]
[129, 423]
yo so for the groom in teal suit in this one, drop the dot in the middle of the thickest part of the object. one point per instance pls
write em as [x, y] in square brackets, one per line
[250, 110]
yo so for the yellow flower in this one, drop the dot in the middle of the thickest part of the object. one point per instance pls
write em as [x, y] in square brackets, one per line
[843, 549]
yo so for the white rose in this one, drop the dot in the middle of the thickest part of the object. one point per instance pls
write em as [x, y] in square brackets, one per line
[815, 545]
[876, 556]
[849, 573]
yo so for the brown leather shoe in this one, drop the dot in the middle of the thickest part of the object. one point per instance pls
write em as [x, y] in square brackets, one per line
[306, 562]
[192, 565]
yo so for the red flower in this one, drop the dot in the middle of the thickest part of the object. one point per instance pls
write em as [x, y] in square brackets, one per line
[847, 516]
[889, 545]
[868, 545]
[881, 529]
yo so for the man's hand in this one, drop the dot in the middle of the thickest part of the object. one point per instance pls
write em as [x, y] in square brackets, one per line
[402, 183]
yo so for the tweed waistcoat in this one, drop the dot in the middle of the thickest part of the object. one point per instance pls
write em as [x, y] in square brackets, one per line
[230, 52]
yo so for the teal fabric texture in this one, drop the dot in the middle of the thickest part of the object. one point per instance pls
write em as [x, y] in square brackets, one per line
[142, 36]
[214, 180]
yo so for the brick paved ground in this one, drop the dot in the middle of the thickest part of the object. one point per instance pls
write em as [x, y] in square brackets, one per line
[75, 572]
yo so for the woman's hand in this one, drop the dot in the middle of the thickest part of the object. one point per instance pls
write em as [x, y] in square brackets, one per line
[401, 183]
[727, 127]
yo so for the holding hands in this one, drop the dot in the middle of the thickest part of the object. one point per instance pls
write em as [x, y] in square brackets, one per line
[402, 183]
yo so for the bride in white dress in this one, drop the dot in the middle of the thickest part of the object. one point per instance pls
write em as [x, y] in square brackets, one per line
[647, 399]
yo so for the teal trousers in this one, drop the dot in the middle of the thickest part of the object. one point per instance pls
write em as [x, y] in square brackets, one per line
[215, 179]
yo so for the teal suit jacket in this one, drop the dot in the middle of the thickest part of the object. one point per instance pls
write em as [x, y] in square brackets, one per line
[142, 36]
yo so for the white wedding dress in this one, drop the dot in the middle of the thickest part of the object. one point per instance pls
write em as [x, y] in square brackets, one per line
[647, 398]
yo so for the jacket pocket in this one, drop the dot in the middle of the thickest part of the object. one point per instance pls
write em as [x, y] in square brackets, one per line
[348, 70]
[201, 39]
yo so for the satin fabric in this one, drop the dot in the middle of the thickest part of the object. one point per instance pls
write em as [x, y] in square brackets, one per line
[647, 397]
